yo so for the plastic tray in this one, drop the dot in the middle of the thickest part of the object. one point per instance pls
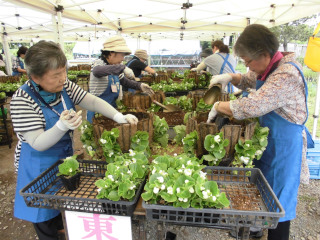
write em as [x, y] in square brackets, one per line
[265, 209]
[47, 191]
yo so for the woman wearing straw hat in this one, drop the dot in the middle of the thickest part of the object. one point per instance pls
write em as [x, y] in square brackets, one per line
[137, 63]
[108, 73]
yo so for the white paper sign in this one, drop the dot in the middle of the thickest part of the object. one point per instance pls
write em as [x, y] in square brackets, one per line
[91, 226]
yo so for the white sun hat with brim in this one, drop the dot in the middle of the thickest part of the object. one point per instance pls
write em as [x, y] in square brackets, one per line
[116, 44]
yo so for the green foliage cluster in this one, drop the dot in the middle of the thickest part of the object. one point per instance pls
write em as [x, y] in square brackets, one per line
[87, 138]
[69, 167]
[190, 142]
[180, 131]
[160, 131]
[203, 107]
[179, 181]
[110, 146]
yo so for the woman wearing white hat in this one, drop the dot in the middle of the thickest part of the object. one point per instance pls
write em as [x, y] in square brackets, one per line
[108, 73]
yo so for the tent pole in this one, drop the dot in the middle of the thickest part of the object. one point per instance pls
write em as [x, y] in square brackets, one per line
[54, 23]
[60, 31]
[7, 54]
[316, 109]
[149, 52]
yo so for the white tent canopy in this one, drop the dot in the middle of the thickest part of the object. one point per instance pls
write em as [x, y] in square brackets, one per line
[145, 19]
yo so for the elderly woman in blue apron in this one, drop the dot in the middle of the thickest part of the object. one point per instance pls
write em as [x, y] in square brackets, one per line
[280, 102]
[17, 63]
[108, 74]
[43, 117]
[219, 62]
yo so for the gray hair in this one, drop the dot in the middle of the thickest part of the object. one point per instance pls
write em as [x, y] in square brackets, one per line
[43, 57]
[256, 40]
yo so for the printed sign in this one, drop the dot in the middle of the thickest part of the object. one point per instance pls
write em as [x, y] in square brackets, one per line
[91, 226]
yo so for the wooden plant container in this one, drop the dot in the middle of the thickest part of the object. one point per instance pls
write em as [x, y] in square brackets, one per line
[9, 79]
[126, 130]
[161, 77]
[147, 79]
[140, 101]
[172, 118]
[196, 96]
[84, 67]
[233, 131]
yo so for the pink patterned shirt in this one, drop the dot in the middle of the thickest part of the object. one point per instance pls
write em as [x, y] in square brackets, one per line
[282, 92]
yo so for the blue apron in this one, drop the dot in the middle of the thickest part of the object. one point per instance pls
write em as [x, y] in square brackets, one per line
[32, 162]
[108, 95]
[21, 64]
[281, 161]
[128, 64]
[230, 86]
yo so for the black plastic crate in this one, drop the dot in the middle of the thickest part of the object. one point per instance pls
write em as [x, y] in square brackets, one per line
[47, 191]
[264, 210]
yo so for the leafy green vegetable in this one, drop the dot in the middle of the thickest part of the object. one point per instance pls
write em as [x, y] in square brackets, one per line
[215, 145]
[140, 142]
[203, 107]
[69, 167]
[180, 131]
[109, 144]
[160, 130]
[87, 138]
[190, 142]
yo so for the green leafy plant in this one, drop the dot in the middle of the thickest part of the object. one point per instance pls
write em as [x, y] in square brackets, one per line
[203, 107]
[215, 145]
[120, 106]
[123, 177]
[154, 108]
[190, 142]
[232, 97]
[179, 181]
[252, 149]
[69, 167]
[160, 130]
[87, 138]
[140, 142]
[180, 131]
[109, 144]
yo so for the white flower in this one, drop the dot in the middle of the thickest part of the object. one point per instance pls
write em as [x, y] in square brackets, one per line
[68, 158]
[132, 187]
[212, 146]
[191, 190]
[129, 172]
[131, 153]
[103, 141]
[180, 199]
[106, 186]
[89, 148]
[188, 172]
[118, 167]
[134, 160]
[180, 158]
[180, 170]
[247, 145]
[258, 152]
[208, 191]
[163, 173]
[189, 162]
[183, 166]
[112, 133]
[217, 138]
[85, 126]
[99, 189]
[111, 177]
[202, 188]
[205, 194]
[138, 140]
[70, 169]
[186, 181]
[203, 175]
[245, 160]
[163, 187]
[185, 200]
[175, 154]
[143, 166]
[155, 162]
[110, 154]
[84, 146]
[170, 190]
[156, 190]
[178, 190]
[154, 170]
[214, 198]
[161, 180]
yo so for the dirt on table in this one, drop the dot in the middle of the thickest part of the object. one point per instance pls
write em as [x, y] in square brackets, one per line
[306, 226]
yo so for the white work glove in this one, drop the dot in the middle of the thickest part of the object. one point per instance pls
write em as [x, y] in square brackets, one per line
[213, 113]
[128, 118]
[193, 70]
[129, 73]
[146, 89]
[69, 120]
[223, 79]
[155, 74]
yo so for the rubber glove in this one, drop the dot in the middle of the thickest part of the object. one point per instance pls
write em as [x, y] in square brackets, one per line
[69, 120]
[146, 89]
[128, 118]
[155, 74]
[213, 113]
[129, 73]
[223, 79]
[193, 69]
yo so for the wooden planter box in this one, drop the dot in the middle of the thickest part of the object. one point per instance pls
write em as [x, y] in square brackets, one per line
[233, 131]
[172, 118]
[126, 130]
[140, 101]
[196, 96]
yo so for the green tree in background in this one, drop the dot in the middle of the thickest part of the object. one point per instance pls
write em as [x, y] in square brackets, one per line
[296, 31]
[68, 49]
[205, 44]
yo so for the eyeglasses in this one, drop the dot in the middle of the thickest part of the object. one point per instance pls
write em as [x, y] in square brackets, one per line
[246, 63]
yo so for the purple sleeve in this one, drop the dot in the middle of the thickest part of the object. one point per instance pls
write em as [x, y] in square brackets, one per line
[124, 81]
[105, 70]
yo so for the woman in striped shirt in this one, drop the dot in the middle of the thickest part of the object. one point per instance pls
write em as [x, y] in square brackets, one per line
[43, 118]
